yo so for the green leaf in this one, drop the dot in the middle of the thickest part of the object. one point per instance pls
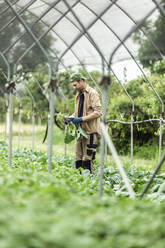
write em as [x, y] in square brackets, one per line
[82, 132]
[69, 136]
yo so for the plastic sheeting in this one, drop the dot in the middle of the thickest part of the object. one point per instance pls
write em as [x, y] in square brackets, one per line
[94, 31]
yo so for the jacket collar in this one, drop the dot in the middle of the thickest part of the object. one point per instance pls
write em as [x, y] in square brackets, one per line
[85, 90]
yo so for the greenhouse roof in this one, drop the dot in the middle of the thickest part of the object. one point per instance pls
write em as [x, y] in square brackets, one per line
[89, 32]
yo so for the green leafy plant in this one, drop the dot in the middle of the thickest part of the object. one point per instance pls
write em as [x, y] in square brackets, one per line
[69, 133]
[62, 209]
[73, 132]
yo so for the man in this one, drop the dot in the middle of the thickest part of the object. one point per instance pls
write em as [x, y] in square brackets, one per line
[87, 114]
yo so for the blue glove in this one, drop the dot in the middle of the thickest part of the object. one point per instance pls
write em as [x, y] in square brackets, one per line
[77, 120]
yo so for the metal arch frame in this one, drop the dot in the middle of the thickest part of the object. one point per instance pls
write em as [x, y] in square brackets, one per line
[6, 100]
[33, 101]
[85, 31]
[122, 42]
[64, 65]
[114, 31]
[28, 30]
[33, 14]
[161, 9]
[43, 14]
[115, 76]
[74, 15]
[129, 33]
[102, 130]
[46, 30]
[161, 161]
[8, 66]
[47, 25]
[130, 98]
[6, 106]
[159, 98]
[14, 17]
[51, 98]
[54, 24]
[3, 53]
[10, 112]
[141, 29]
[80, 61]
[5, 9]
[51, 93]
[126, 181]
[67, 46]
[57, 21]
[81, 3]
[160, 137]
[33, 115]
[61, 92]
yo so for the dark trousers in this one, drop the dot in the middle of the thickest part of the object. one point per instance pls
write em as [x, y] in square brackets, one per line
[86, 152]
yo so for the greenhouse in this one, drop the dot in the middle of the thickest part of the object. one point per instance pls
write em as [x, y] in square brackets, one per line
[82, 94]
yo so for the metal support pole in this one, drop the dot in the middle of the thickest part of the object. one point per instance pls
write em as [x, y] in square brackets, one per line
[7, 107]
[105, 82]
[117, 160]
[27, 29]
[132, 120]
[10, 128]
[160, 137]
[101, 172]
[106, 150]
[158, 167]
[33, 129]
[51, 123]
[65, 146]
[19, 124]
[10, 109]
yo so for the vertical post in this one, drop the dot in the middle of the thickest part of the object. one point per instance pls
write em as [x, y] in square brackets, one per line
[51, 123]
[106, 150]
[19, 123]
[132, 120]
[6, 95]
[101, 175]
[33, 128]
[65, 146]
[7, 109]
[105, 82]
[117, 161]
[160, 137]
[11, 87]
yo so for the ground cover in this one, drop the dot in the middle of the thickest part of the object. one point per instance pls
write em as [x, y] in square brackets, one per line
[63, 209]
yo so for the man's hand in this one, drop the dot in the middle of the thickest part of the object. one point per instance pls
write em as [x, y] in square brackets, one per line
[77, 120]
[67, 119]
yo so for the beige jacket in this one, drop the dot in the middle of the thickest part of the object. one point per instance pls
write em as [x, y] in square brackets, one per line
[91, 105]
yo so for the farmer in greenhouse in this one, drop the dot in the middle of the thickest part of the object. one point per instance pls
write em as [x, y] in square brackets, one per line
[87, 114]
